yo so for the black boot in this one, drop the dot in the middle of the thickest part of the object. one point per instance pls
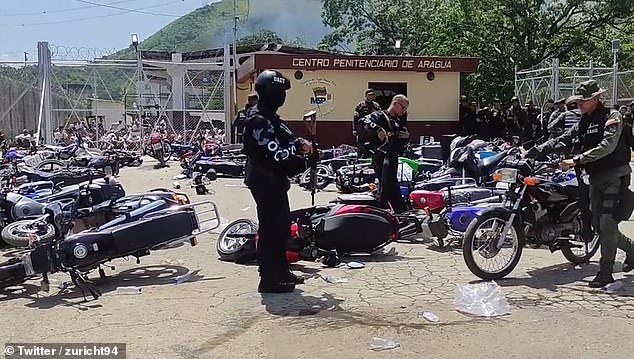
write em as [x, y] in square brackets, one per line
[294, 278]
[603, 278]
[272, 285]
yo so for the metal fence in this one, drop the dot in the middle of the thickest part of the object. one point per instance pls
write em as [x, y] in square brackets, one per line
[100, 95]
[555, 82]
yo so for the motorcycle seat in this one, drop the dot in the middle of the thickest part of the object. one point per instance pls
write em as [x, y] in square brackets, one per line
[136, 214]
[357, 198]
[489, 163]
[133, 237]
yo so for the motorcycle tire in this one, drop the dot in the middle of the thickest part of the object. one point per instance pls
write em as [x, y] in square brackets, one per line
[21, 240]
[593, 247]
[242, 252]
[321, 182]
[469, 237]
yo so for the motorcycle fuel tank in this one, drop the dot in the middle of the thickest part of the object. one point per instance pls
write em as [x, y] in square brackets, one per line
[23, 206]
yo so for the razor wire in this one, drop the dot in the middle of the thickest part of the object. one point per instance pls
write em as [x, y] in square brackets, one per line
[79, 53]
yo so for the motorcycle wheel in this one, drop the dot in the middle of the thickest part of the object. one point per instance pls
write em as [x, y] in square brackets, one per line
[15, 234]
[581, 255]
[480, 241]
[160, 156]
[50, 165]
[236, 242]
[167, 150]
[322, 174]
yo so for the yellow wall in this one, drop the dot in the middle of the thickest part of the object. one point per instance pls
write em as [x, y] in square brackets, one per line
[429, 100]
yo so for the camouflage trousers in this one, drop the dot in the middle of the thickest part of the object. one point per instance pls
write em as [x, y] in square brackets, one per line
[604, 195]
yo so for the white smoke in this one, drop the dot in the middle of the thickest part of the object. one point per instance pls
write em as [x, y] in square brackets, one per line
[288, 18]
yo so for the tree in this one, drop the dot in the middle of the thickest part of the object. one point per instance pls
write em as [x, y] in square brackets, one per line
[262, 36]
[502, 33]
[268, 36]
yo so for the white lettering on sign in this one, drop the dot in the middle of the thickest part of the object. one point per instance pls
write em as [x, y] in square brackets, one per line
[299, 62]
[376, 63]
[437, 64]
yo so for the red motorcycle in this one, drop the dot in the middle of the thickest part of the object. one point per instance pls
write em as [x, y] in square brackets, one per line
[158, 147]
[343, 227]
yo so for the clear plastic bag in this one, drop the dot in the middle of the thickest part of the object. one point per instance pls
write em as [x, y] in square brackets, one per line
[482, 300]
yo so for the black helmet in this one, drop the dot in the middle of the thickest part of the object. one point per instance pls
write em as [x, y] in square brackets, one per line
[271, 86]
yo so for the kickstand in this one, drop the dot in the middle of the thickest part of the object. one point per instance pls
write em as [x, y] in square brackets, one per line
[84, 284]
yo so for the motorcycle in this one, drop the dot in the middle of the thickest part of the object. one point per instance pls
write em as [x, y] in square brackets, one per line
[348, 225]
[135, 234]
[157, 147]
[15, 208]
[536, 209]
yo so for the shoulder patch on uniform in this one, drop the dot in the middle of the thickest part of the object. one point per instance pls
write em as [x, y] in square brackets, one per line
[612, 121]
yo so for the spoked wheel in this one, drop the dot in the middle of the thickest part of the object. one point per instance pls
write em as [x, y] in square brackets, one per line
[19, 233]
[480, 250]
[322, 174]
[50, 165]
[236, 243]
[587, 249]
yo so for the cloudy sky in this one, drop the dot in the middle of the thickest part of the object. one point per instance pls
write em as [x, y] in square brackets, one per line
[96, 24]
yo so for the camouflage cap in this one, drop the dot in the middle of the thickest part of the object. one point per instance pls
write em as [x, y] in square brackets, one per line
[587, 90]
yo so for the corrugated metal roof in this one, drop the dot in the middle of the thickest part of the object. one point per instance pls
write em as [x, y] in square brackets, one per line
[219, 52]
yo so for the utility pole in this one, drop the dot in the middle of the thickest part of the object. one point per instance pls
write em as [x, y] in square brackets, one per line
[616, 46]
[234, 103]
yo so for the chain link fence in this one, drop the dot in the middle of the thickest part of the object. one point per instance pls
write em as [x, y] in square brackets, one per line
[555, 82]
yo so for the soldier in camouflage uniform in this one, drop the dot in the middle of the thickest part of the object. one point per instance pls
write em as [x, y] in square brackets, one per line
[605, 156]
[363, 109]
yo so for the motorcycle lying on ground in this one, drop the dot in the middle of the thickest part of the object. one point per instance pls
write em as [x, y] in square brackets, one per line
[88, 216]
[347, 225]
[135, 234]
[537, 209]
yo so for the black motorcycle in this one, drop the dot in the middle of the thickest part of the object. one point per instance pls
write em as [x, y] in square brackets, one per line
[135, 234]
[536, 210]
[98, 195]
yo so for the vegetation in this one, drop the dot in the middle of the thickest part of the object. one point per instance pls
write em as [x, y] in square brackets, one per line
[502, 33]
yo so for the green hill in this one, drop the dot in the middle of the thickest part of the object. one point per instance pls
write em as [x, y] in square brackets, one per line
[211, 26]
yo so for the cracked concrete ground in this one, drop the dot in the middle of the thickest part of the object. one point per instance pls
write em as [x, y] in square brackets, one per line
[219, 314]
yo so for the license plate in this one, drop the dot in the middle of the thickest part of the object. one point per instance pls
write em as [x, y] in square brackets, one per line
[508, 175]
[157, 146]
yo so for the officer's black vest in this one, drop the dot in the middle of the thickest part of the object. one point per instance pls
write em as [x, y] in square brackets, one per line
[591, 129]
[256, 155]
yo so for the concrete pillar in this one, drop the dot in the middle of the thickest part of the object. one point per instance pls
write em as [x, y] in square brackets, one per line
[177, 80]
[45, 121]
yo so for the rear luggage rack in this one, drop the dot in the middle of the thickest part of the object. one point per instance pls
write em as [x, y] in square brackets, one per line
[204, 224]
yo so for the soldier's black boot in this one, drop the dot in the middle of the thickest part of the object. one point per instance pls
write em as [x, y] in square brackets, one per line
[602, 279]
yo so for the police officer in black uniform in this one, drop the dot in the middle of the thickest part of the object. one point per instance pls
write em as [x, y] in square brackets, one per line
[273, 155]
[241, 117]
[363, 109]
[390, 138]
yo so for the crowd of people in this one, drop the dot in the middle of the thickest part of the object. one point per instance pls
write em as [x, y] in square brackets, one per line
[526, 122]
